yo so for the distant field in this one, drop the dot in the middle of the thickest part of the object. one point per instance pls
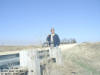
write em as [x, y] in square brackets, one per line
[15, 49]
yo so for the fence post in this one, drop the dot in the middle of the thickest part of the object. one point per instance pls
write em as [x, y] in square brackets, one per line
[29, 59]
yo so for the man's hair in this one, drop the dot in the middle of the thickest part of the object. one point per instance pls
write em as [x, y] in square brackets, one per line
[52, 29]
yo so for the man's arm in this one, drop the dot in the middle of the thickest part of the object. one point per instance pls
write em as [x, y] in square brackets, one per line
[58, 40]
[48, 39]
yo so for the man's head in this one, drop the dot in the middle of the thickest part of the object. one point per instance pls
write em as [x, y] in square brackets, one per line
[52, 31]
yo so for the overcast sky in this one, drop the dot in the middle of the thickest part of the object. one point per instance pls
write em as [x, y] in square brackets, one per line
[31, 20]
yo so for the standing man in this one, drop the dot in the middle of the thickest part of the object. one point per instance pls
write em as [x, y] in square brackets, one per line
[54, 51]
[53, 39]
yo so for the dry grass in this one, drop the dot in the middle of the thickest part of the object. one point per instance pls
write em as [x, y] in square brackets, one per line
[81, 59]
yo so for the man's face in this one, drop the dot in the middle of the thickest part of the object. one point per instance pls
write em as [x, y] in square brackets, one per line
[52, 31]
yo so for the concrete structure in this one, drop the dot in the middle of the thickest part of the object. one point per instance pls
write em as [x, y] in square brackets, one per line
[29, 59]
[55, 52]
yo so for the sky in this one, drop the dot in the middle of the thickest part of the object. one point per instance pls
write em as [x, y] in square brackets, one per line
[30, 21]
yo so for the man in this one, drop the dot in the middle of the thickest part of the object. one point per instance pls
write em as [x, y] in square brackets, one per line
[54, 51]
[53, 39]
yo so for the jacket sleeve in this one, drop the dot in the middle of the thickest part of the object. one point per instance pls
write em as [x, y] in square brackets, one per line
[58, 40]
[48, 39]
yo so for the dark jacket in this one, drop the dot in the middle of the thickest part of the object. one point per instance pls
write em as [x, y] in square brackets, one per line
[56, 39]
